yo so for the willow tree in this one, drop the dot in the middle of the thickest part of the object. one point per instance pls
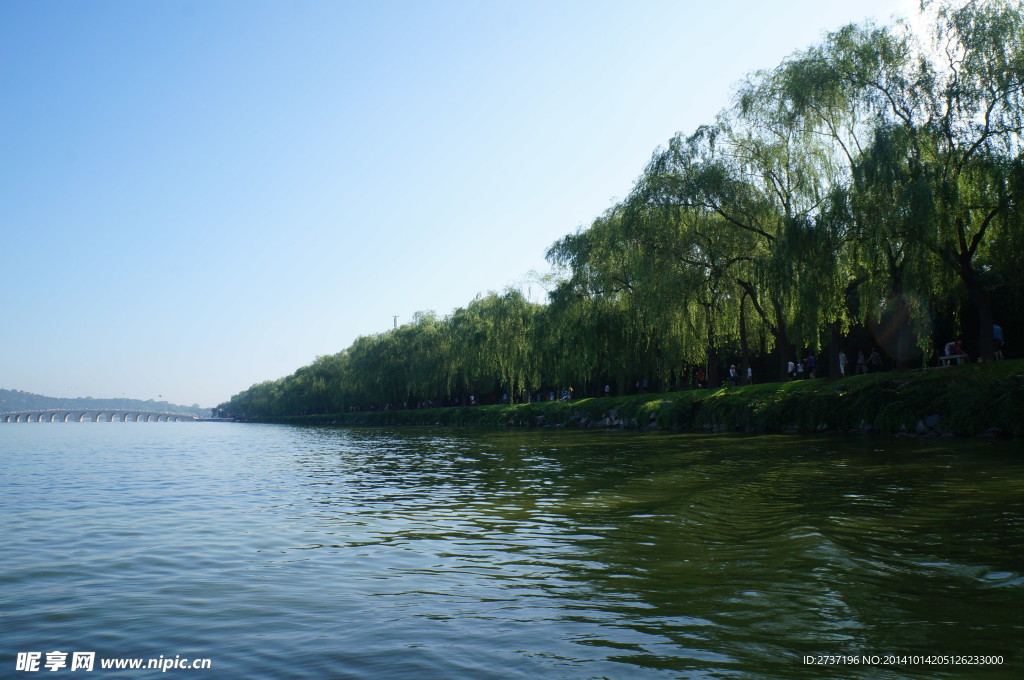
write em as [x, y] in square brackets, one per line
[693, 262]
[815, 89]
[596, 297]
[976, 110]
[367, 366]
[614, 276]
[411, 363]
[955, 95]
[891, 211]
[586, 339]
[260, 400]
[316, 388]
[493, 344]
[510, 353]
[874, 228]
[755, 171]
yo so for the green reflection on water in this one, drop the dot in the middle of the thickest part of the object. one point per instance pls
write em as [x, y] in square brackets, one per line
[727, 555]
[468, 554]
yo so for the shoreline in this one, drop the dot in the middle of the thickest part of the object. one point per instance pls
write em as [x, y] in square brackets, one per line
[985, 399]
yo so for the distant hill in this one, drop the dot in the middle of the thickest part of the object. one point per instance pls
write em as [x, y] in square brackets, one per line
[16, 400]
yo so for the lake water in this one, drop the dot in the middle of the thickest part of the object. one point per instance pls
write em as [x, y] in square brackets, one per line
[284, 552]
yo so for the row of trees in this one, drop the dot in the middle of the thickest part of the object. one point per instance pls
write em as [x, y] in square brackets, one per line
[874, 181]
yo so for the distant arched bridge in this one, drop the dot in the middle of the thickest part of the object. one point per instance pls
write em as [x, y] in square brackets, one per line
[94, 415]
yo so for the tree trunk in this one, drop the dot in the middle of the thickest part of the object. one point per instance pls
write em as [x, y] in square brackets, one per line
[983, 308]
[898, 320]
[713, 367]
[712, 352]
[834, 349]
[744, 343]
[782, 343]
[901, 321]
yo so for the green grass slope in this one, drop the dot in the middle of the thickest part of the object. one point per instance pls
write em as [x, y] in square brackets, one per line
[965, 400]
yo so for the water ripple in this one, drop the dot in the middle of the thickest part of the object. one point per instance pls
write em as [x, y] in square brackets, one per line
[312, 553]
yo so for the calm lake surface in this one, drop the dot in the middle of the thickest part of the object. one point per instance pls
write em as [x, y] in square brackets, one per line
[285, 552]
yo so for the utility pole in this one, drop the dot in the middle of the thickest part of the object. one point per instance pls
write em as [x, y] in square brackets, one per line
[395, 317]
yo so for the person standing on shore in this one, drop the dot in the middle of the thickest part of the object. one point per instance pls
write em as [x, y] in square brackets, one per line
[842, 364]
[874, 361]
[997, 342]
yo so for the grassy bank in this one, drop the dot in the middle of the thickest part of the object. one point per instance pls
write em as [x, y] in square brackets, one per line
[976, 399]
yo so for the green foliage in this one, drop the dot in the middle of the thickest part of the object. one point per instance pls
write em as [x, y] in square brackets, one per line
[877, 176]
[965, 400]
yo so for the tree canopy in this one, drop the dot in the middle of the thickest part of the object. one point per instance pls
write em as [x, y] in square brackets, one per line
[867, 191]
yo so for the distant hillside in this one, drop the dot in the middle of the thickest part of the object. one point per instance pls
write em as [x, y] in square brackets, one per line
[16, 400]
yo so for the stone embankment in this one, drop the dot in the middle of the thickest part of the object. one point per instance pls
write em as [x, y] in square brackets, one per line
[971, 400]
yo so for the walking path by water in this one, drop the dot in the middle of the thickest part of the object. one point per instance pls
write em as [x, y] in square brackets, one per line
[282, 552]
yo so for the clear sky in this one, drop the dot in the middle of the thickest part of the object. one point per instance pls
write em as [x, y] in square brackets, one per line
[198, 196]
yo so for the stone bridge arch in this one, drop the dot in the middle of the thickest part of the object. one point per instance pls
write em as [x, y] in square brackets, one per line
[98, 415]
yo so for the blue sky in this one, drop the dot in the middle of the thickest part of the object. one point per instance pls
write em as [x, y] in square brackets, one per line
[197, 196]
